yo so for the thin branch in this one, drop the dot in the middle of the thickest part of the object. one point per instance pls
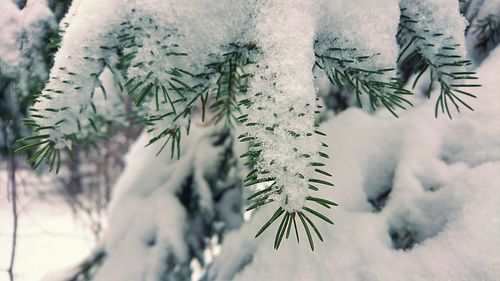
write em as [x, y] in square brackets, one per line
[11, 169]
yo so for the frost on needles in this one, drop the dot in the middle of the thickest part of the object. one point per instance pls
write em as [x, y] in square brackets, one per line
[244, 63]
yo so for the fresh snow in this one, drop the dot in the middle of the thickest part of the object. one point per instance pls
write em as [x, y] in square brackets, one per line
[10, 28]
[418, 196]
[444, 176]
[342, 24]
[22, 32]
[151, 234]
[171, 40]
[284, 98]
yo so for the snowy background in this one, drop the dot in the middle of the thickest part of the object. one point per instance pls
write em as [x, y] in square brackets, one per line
[418, 196]
[50, 236]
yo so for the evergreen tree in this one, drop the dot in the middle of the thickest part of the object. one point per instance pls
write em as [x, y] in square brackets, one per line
[244, 69]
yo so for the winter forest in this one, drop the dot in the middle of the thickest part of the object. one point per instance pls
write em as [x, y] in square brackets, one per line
[147, 140]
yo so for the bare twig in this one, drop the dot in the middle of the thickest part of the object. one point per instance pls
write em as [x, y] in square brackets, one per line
[11, 182]
[13, 193]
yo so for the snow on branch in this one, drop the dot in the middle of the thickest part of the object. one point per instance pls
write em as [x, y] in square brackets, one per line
[362, 54]
[246, 61]
[435, 30]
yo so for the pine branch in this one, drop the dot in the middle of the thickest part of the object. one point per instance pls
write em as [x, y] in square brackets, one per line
[343, 70]
[269, 190]
[441, 59]
[183, 100]
[232, 82]
[171, 83]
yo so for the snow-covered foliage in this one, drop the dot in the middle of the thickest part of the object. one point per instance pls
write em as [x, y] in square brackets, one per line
[24, 63]
[168, 218]
[484, 27]
[179, 58]
[11, 31]
[434, 30]
[418, 200]
[23, 39]
[413, 194]
[285, 94]
[435, 18]
[155, 45]
[363, 58]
